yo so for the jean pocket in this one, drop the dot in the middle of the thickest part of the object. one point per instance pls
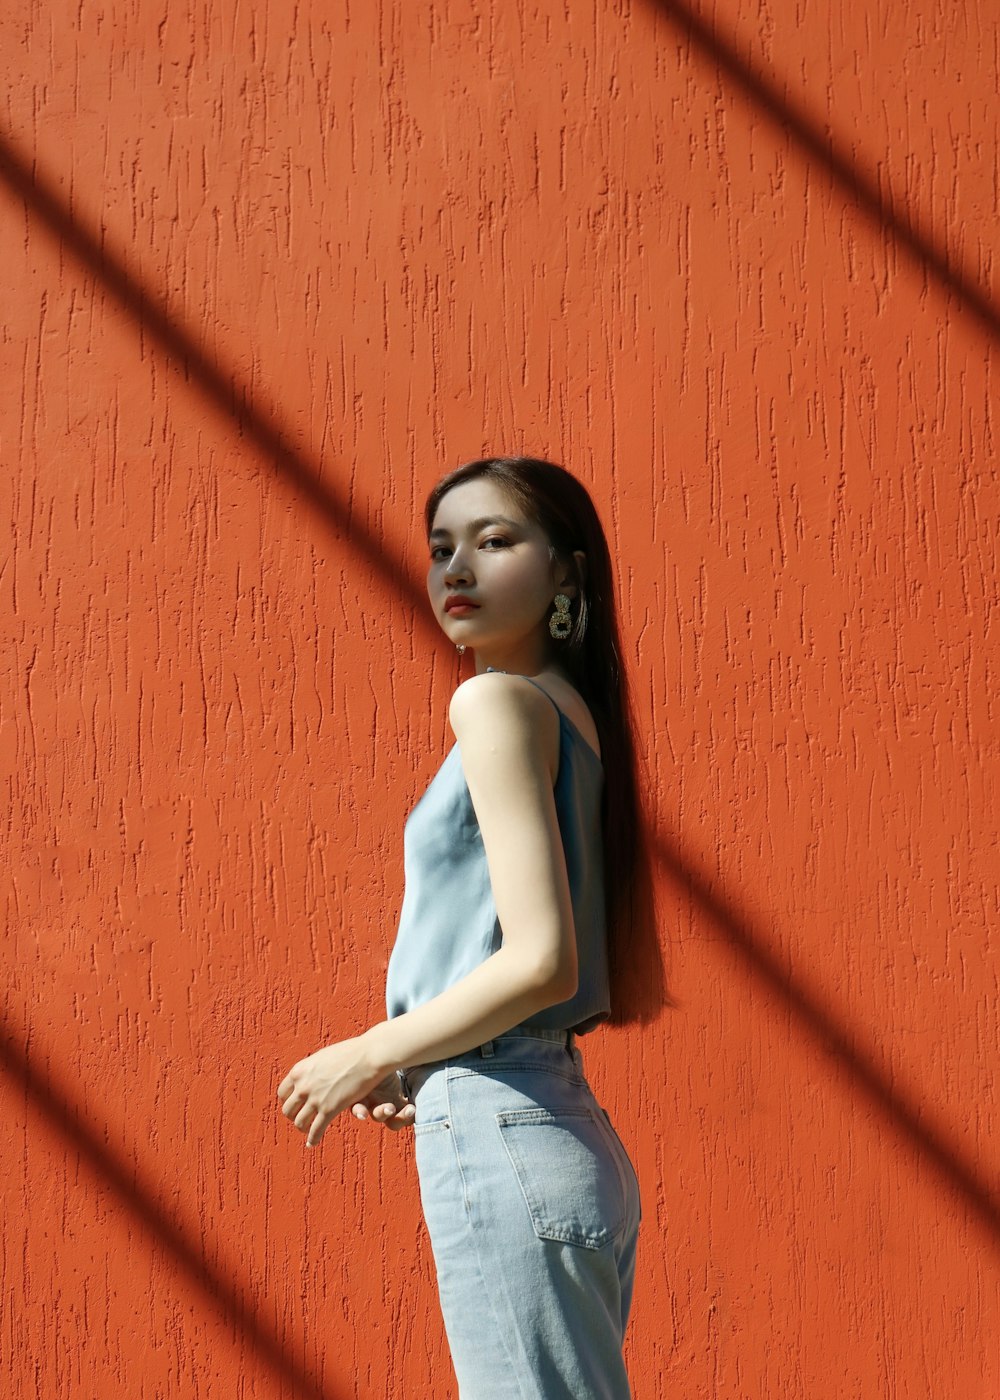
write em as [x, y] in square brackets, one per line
[439, 1125]
[568, 1176]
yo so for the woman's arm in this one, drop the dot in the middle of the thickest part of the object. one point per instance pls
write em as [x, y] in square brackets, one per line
[501, 724]
[508, 740]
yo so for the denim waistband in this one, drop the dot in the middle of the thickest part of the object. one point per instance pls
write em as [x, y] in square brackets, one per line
[523, 1031]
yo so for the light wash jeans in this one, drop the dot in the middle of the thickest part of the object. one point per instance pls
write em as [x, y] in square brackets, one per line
[532, 1207]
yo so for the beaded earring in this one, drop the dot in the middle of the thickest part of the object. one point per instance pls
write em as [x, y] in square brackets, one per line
[560, 623]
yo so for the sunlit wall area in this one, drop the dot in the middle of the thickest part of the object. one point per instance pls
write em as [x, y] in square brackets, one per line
[268, 272]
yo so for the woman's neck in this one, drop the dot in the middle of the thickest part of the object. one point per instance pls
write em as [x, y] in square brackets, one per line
[521, 665]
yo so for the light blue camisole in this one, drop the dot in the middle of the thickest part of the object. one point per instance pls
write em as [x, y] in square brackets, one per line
[448, 920]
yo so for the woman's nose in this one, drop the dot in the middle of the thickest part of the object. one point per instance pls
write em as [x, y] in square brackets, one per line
[456, 569]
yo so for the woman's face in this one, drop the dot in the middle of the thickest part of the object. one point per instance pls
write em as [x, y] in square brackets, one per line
[482, 546]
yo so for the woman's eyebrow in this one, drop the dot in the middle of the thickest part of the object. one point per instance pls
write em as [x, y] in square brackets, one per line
[479, 524]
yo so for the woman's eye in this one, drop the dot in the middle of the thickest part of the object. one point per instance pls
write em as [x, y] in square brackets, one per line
[493, 539]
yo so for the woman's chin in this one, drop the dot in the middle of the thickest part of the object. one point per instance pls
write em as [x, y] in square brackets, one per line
[461, 630]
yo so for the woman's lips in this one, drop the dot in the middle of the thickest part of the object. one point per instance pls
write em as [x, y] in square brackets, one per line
[460, 609]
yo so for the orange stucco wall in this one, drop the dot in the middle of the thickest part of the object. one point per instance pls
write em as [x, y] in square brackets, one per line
[268, 271]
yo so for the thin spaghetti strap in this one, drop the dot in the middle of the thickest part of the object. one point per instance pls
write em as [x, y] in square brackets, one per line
[558, 708]
[531, 683]
[542, 689]
[573, 726]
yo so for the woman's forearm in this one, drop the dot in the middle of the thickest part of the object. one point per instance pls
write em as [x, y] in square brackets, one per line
[501, 992]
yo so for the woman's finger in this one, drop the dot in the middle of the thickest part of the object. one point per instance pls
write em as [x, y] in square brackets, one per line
[390, 1115]
[293, 1103]
[305, 1117]
[319, 1126]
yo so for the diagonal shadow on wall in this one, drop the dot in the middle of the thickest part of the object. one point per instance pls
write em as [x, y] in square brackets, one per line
[890, 216]
[225, 395]
[119, 1176]
[232, 399]
[850, 1057]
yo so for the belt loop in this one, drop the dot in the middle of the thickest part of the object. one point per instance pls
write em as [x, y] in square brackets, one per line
[570, 1041]
[486, 1049]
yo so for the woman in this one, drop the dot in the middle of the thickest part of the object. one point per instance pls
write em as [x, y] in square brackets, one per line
[506, 949]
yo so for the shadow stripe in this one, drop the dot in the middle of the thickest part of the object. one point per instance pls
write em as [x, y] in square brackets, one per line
[864, 192]
[122, 1177]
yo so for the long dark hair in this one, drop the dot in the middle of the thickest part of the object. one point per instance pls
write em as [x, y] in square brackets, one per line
[592, 657]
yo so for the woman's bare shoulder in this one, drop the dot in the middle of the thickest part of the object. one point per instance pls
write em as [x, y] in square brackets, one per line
[506, 713]
[494, 695]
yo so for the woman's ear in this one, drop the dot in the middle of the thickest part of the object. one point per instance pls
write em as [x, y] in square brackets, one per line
[575, 580]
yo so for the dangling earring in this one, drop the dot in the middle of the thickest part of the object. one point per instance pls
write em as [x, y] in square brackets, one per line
[560, 623]
[461, 648]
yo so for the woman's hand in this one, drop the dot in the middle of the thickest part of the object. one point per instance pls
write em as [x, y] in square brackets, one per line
[388, 1104]
[322, 1085]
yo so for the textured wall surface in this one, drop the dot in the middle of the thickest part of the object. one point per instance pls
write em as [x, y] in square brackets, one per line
[267, 272]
